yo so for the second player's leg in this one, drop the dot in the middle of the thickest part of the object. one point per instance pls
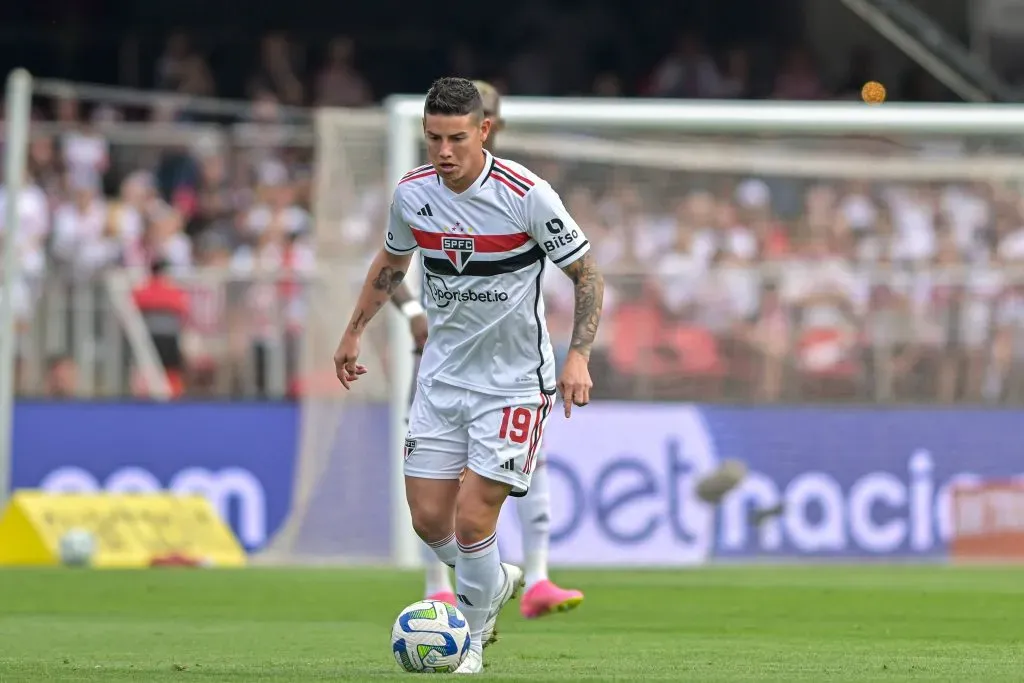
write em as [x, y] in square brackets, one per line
[542, 595]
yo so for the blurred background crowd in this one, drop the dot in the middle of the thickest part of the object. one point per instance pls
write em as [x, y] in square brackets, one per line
[731, 287]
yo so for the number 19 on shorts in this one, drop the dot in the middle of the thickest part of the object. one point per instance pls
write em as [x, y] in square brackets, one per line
[525, 426]
[515, 424]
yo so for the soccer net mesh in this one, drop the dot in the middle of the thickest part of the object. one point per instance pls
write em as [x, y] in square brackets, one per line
[341, 505]
[740, 268]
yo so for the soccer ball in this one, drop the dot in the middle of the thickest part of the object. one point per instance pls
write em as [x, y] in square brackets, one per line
[430, 637]
[77, 547]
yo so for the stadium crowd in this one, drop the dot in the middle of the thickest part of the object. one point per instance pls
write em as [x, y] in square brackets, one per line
[733, 288]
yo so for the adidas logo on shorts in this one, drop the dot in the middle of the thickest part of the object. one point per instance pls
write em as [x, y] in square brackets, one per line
[509, 465]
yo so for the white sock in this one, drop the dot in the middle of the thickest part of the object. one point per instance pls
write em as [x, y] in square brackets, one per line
[446, 550]
[478, 577]
[535, 520]
[437, 573]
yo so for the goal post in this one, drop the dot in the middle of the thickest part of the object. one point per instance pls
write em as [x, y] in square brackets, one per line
[603, 137]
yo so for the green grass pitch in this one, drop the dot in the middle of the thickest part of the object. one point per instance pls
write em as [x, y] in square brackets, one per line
[824, 623]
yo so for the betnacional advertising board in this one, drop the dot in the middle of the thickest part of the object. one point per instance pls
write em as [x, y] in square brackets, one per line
[823, 482]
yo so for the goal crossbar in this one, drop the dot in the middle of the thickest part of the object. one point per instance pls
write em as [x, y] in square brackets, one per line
[710, 116]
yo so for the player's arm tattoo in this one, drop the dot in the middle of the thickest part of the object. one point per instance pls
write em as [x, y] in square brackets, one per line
[387, 280]
[589, 300]
[402, 295]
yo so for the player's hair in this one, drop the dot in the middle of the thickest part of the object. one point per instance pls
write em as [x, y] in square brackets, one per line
[451, 96]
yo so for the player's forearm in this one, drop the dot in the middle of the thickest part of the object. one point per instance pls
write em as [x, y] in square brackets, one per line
[402, 295]
[589, 285]
[382, 282]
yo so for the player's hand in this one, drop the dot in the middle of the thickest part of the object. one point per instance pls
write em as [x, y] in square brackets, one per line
[418, 327]
[345, 365]
[575, 383]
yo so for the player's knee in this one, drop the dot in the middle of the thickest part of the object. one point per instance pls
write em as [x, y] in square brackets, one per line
[431, 509]
[431, 523]
[474, 521]
[478, 507]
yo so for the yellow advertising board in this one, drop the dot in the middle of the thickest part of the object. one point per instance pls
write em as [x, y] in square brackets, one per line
[131, 530]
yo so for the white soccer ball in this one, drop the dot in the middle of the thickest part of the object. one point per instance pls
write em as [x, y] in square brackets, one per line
[77, 547]
[430, 637]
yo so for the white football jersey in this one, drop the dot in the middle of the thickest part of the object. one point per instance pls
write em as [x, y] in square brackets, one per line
[484, 253]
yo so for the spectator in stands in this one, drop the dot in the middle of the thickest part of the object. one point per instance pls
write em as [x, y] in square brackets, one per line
[46, 167]
[61, 377]
[127, 217]
[275, 263]
[339, 83]
[942, 291]
[1005, 377]
[822, 292]
[735, 239]
[216, 202]
[798, 79]
[277, 211]
[81, 239]
[84, 150]
[171, 65]
[968, 208]
[687, 71]
[894, 310]
[734, 83]
[765, 342]
[196, 77]
[279, 70]
[164, 307]
[214, 339]
[914, 213]
[164, 241]
[34, 231]
[754, 212]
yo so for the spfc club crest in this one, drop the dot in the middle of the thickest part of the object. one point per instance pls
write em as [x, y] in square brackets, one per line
[458, 250]
[410, 446]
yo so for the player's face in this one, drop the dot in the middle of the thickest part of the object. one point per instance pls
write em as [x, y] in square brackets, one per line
[455, 145]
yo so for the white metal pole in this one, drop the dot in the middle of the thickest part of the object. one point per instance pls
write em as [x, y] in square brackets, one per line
[405, 545]
[18, 104]
[728, 116]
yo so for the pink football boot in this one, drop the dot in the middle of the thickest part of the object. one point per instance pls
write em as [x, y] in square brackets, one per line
[544, 597]
[443, 596]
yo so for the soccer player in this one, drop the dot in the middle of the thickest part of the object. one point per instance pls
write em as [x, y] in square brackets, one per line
[542, 596]
[486, 384]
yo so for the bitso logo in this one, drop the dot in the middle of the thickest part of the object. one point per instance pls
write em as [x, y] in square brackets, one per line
[444, 297]
[458, 250]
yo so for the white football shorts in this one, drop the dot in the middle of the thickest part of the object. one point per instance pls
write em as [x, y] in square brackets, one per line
[498, 437]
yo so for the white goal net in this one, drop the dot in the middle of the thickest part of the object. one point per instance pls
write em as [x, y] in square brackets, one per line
[754, 253]
[341, 505]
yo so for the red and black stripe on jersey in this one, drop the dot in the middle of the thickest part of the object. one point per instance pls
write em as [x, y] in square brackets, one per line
[425, 171]
[483, 244]
[517, 182]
